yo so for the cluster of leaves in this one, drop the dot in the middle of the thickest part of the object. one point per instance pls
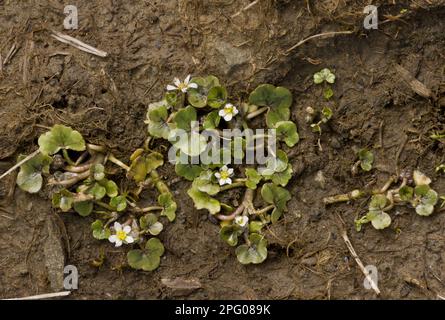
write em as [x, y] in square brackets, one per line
[317, 118]
[79, 176]
[203, 108]
[419, 196]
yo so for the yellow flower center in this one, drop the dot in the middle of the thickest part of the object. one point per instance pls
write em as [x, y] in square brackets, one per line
[224, 175]
[182, 85]
[121, 235]
[228, 110]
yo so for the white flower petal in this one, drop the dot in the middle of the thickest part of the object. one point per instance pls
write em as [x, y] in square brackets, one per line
[112, 238]
[184, 89]
[217, 175]
[118, 242]
[230, 171]
[222, 113]
[224, 168]
[228, 117]
[171, 88]
[228, 181]
[127, 229]
[193, 85]
[177, 82]
[117, 226]
[187, 79]
[129, 239]
[235, 111]
[228, 105]
[221, 182]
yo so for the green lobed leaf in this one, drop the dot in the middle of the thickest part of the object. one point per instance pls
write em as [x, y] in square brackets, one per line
[217, 97]
[366, 159]
[254, 253]
[166, 200]
[230, 234]
[275, 195]
[287, 132]
[60, 137]
[150, 223]
[83, 208]
[253, 178]
[188, 171]
[99, 231]
[30, 178]
[147, 259]
[119, 203]
[203, 201]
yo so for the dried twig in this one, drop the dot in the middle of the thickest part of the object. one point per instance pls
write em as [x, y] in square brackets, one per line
[325, 34]
[359, 262]
[44, 296]
[10, 54]
[415, 85]
[78, 44]
[250, 5]
[18, 164]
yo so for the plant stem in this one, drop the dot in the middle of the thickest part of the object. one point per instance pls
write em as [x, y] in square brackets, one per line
[265, 209]
[71, 181]
[79, 168]
[95, 147]
[247, 200]
[105, 205]
[354, 194]
[116, 161]
[233, 185]
[148, 209]
[256, 113]
[67, 157]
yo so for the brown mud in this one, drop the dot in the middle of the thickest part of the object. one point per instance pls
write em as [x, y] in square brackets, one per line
[149, 42]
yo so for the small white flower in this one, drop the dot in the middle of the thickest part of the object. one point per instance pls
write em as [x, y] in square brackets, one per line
[121, 235]
[241, 221]
[228, 112]
[224, 175]
[183, 86]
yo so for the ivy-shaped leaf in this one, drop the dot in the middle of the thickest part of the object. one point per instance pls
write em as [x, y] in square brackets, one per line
[427, 199]
[63, 200]
[99, 230]
[198, 97]
[142, 164]
[230, 234]
[281, 178]
[98, 171]
[205, 184]
[60, 137]
[253, 178]
[378, 218]
[277, 196]
[203, 201]
[255, 252]
[119, 203]
[83, 208]
[150, 223]
[147, 259]
[366, 159]
[287, 132]
[188, 171]
[157, 116]
[169, 205]
[217, 97]
[211, 120]
[30, 178]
